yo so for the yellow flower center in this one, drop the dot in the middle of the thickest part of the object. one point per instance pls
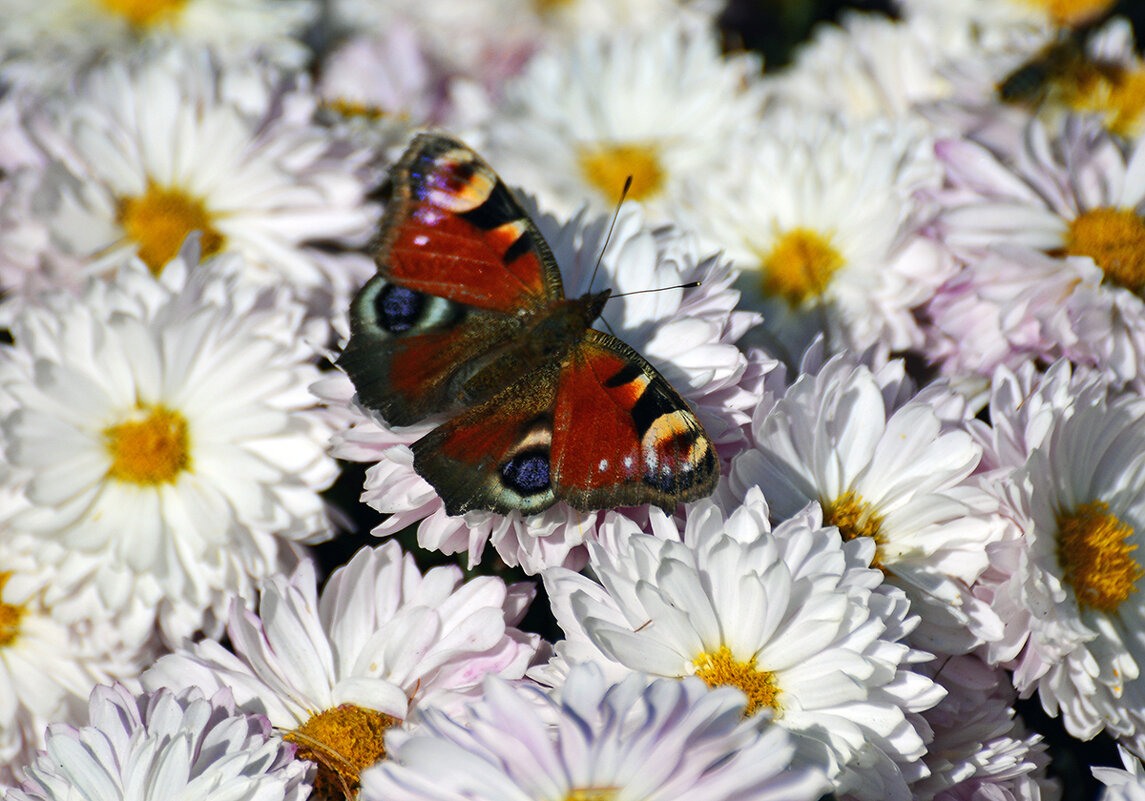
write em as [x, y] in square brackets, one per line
[159, 220]
[1117, 93]
[153, 448]
[1115, 239]
[721, 669]
[1096, 558]
[607, 167]
[593, 794]
[343, 742]
[354, 108]
[549, 6]
[1071, 13]
[143, 13]
[854, 517]
[800, 266]
[10, 617]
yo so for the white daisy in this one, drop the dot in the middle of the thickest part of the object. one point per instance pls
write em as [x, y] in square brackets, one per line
[161, 746]
[980, 749]
[1067, 584]
[1123, 785]
[823, 218]
[50, 658]
[1052, 249]
[793, 616]
[337, 671]
[993, 23]
[153, 148]
[888, 466]
[164, 426]
[689, 335]
[868, 66]
[659, 106]
[657, 742]
[45, 43]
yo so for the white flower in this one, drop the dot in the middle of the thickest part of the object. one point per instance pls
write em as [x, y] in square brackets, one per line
[792, 616]
[1123, 785]
[164, 427]
[823, 218]
[868, 66]
[659, 106]
[658, 742]
[990, 24]
[980, 749]
[149, 149]
[162, 746]
[1052, 248]
[336, 671]
[689, 335]
[885, 465]
[51, 658]
[44, 43]
[1067, 585]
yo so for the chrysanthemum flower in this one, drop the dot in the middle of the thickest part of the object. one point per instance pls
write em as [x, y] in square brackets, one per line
[793, 616]
[659, 106]
[823, 218]
[336, 671]
[689, 335]
[995, 20]
[45, 42]
[980, 749]
[149, 149]
[1123, 785]
[888, 466]
[162, 746]
[657, 742]
[869, 66]
[164, 427]
[1053, 249]
[50, 657]
[1067, 585]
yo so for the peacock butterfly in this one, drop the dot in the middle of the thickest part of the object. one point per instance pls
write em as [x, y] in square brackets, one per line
[466, 317]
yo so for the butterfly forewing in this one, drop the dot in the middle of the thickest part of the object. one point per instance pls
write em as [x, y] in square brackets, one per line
[457, 231]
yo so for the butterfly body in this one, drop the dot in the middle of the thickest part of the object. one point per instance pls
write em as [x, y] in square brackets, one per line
[467, 318]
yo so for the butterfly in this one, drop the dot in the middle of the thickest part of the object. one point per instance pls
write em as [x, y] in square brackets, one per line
[466, 317]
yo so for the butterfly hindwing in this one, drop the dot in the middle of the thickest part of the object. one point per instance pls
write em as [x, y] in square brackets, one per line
[456, 231]
[410, 354]
[495, 456]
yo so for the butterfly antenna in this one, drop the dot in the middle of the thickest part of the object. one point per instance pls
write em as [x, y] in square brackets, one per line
[611, 225]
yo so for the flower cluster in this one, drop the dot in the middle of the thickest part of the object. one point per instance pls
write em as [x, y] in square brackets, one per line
[899, 280]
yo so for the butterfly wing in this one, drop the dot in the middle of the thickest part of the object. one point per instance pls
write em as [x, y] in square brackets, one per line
[622, 435]
[601, 429]
[495, 456]
[461, 268]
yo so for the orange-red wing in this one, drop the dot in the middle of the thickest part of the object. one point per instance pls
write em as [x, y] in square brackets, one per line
[622, 435]
[455, 230]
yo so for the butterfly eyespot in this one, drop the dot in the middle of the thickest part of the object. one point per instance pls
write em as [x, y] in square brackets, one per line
[399, 308]
[527, 473]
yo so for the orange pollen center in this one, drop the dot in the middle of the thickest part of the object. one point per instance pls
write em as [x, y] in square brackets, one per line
[152, 448]
[607, 167]
[343, 742]
[1115, 92]
[10, 617]
[800, 266]
[1071, 13]
[159, 220]
[1115, 240]
[143, 13]
[1096, 557]
[854, 518]
[721, 669]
